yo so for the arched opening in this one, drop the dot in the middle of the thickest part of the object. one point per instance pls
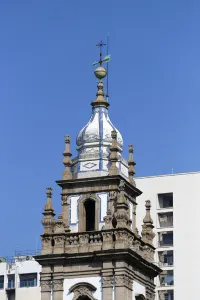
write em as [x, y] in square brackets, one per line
[83, 297]
[89, 216]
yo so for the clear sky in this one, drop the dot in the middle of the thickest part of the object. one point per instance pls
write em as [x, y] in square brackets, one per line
[47, 83]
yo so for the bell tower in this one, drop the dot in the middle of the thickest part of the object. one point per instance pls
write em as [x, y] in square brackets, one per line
[92, 250]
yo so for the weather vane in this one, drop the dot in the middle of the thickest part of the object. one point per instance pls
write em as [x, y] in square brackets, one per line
[106, 59]
[100, 72]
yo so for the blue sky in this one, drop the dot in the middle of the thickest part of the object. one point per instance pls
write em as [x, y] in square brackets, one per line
[47, 83]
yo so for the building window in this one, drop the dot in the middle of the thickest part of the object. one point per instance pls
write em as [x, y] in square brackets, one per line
[165, 239]
[11, 281]
[165, 219]
[28, 280]
[1, 282]
[169, 295]
[165, 200]
[166, 258]
[167, 278]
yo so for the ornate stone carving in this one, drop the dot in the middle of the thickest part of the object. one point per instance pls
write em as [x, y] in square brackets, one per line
[122, 280]
[122, 235]
[58, 284]
[84, 239]
[45, 286]
[83, 289]
[107, 236]
[59, 239]
[147, 227]
[148, 253]
[65, 200]
[107, 281]
[112, 195]
[46, 240]
[108, 220]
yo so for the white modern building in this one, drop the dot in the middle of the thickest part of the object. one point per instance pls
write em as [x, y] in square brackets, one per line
[20, 278]
[175, 211]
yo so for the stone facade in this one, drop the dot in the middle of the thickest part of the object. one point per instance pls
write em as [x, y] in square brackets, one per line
[115, 253]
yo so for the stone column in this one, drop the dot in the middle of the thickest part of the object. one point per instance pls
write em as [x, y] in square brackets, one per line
[58, 289]
[45, 289]
[107, 287]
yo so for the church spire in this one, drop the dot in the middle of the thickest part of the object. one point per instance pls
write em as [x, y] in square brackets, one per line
[95, 138]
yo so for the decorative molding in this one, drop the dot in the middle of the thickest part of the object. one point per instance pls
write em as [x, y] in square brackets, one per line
[45, 286]
[58, 284]
[107, 281]
[89, 165]
[122, 280]
[83, 289]
[84, 239]
[65, 200]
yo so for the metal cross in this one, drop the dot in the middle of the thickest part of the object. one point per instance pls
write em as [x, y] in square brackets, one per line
[106, 59]
[100, 46]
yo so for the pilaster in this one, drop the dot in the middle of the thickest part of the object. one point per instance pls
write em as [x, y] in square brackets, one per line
[107, 287]
[58, 289]
[65, 211]
[122, 287]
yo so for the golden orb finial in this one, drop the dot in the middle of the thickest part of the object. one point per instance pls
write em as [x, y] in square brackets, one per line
[100, 72]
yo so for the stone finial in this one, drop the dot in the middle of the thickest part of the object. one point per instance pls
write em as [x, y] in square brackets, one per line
[48, 205]
[100, 99]
[114, 154]
[122, 208]
[48, 220]
[131, 164]
[147, 227]
[67, 174]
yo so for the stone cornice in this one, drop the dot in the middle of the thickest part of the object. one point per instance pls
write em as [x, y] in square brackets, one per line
[127, 255]
[98, 184]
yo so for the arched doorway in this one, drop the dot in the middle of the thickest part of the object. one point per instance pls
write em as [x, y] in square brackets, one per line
[89, 206]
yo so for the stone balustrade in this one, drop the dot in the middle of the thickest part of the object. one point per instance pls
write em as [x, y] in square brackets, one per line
[77, 242]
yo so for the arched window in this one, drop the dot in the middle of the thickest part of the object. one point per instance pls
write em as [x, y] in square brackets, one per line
[88, 214]
[89, 206]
